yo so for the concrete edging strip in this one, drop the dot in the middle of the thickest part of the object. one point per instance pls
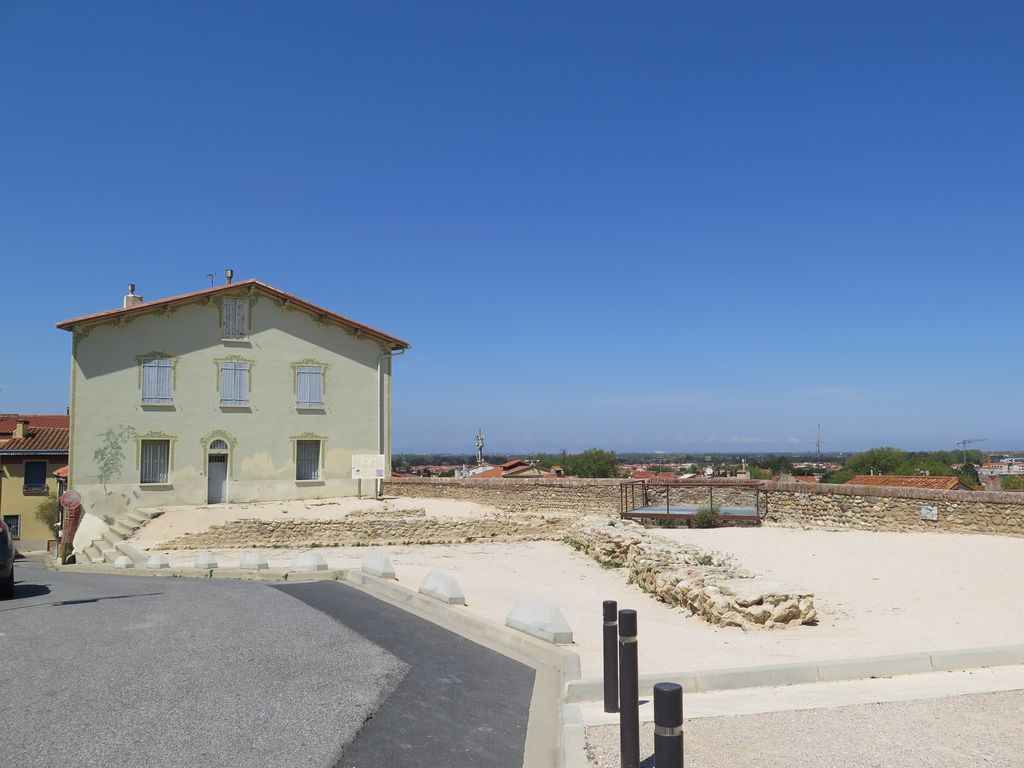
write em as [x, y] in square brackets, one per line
[591, 688]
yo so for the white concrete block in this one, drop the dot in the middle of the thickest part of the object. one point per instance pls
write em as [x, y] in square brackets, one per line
[157, 561]
[379, 565]
[124, 562]
[253, 561]
[205, 561]
[540, 620]
[443, 587]
[308, 561]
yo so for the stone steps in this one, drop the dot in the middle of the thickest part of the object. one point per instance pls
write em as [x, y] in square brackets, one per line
[110, 546]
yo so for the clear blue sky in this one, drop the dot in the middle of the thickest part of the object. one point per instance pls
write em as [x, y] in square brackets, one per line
[679, 225]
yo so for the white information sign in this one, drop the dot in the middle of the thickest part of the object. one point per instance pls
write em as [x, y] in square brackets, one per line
[368, 466]
[930, 513]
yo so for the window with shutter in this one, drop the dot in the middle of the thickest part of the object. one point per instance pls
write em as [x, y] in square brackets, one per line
[310, 386]
[236, 318]
[307, 459]
[157, 375]
[155, 460]
[234, 383]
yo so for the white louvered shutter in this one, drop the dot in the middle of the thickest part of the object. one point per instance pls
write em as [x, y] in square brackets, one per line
[310, 386]
[234, 383]
[156, 382]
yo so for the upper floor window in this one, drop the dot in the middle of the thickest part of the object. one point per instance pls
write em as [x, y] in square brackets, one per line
[35, 477]
[234, 383]
[309, 386]
[236, 318]
[157, 375]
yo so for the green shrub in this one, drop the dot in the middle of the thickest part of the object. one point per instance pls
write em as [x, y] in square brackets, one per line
[706, 516]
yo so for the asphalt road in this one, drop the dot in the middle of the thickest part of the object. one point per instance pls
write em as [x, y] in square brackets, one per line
[126, 671]
[459, 705]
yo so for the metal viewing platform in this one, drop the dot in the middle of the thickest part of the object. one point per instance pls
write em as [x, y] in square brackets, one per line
[744, 503]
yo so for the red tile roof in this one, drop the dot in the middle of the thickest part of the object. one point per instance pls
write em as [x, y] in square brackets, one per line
[8, 421]
[62, 472]
[904, 481]
[37, 440]
[68, 325]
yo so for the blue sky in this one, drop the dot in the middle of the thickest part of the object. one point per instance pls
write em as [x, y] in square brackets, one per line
[658, 226]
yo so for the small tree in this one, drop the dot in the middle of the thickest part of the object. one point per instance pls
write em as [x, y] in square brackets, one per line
[48, 511]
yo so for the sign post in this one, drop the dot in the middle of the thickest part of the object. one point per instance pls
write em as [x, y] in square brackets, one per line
[369, 466]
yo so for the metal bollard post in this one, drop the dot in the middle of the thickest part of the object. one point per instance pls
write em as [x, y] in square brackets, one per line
[611, 657]
[668, 725]
[629, 693]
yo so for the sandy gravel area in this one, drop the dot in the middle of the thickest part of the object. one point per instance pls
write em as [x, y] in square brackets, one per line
[879, 593]
[175, 521]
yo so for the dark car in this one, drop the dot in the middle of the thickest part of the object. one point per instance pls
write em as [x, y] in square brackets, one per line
[6, 562]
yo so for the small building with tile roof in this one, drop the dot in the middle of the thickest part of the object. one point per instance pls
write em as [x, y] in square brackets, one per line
[239, 392]
[32, 448]
[932, 482]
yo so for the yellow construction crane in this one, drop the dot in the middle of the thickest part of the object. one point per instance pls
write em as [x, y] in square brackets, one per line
[964, 443]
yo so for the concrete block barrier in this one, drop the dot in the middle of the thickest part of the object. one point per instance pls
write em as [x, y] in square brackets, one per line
[157, 561]
[206, 561]
[443, 587]
[308, 561]
[540, 620]
[124, 562]
[253, 561]
[378, 565]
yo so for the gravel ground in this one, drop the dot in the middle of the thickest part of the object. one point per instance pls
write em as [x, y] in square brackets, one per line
[125, 671]
[981, 729]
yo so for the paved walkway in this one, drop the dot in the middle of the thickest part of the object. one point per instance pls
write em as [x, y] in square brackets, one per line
[125, 671]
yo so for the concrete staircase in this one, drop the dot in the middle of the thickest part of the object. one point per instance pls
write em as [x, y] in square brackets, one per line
[112, 545]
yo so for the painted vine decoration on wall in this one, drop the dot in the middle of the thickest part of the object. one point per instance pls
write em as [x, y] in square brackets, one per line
[109, 457]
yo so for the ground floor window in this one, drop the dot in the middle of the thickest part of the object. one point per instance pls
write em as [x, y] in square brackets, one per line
[35, 477]
[13, 522]
[307, 459]
[156, 455]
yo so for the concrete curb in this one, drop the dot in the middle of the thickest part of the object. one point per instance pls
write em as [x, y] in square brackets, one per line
[239, 574]
[592, 688]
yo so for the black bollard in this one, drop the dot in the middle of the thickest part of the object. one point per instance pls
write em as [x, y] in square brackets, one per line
[611, 657]
[668, 725]
[629, 693]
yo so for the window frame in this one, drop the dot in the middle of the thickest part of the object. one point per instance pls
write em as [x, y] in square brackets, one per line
[232, 329]
[145, 464]
[37, 489]
[320, 371]
[236, 367]
[14, 529]
[166, 367]
[300, 463]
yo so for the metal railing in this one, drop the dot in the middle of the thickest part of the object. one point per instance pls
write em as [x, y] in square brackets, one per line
[635, 498]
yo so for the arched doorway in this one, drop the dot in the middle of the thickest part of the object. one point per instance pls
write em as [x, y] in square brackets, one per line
[217, 472]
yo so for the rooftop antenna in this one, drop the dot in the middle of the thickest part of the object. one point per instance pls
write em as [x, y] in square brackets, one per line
[818, 444]
[479, 447]
[212, 277]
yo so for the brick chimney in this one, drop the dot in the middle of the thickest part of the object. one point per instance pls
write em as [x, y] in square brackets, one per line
[20, 429]
[131, 299]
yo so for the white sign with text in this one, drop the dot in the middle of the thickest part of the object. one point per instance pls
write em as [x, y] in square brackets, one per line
[367, 466]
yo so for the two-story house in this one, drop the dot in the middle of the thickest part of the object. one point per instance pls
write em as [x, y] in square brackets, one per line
[240, 392]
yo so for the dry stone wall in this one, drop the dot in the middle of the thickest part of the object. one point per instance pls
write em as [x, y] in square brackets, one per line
[570, 494]
[709, 585]
[872, 508]
[407, 527]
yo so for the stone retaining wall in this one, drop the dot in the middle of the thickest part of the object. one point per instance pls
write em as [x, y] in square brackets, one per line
[794, 505]
[409, 527]
[873, 508]
[711, 586]
[569, 494]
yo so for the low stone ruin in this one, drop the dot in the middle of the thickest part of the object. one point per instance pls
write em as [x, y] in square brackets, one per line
[709, 585]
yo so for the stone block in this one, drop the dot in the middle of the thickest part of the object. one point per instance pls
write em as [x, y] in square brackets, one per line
[540, 620]
[157, 561]
[308, 561]
[253, 561]
[124, 562]
[379, 565]
[443, 587]
[206, 561]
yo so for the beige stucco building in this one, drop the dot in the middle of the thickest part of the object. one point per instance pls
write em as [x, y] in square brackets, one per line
[240, 392]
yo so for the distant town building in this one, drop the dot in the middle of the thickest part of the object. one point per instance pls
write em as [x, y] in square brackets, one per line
[916, 481]
[33, 449]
